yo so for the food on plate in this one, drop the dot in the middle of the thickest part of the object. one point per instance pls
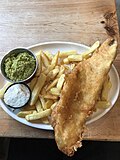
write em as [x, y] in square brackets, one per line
[39, 115]
[54, 105]
[81, 91]
[36, 90]
[49, 103]
[75, 58]
[24, 113]
[66, 89]
[52, 74]
[88, 53]
[42, 100]
[55, 91]
[33, 82]
[54, 62]
[49, 94]
[45, 59]
[49, 55]
[17, 95]
[61, 82]
[106, 87]
[66, 61]
[47, 84]
[102, 104]
[19, 67]
[2, 90]
[68, 53]
[52, 84]
[39, 59]
[38, 106]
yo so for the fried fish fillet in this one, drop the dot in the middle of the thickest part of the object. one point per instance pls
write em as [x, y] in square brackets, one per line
[79, 95]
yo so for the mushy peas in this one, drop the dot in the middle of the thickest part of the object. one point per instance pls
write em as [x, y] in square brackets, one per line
[19, 67]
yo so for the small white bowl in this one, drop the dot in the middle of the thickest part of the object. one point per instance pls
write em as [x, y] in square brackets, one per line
[30, 92]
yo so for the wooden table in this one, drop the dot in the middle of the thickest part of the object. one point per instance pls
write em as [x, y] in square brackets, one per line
[24, 23]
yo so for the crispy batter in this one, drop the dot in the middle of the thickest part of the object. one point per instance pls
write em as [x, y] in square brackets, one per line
[78, 97]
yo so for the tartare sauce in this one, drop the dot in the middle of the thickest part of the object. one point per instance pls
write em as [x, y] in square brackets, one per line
[17, 95]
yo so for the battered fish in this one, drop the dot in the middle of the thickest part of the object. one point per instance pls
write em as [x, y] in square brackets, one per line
[79, 95]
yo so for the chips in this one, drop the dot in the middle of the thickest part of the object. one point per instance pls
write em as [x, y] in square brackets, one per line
[55, 91]
[75, 58]
[48, 55]
[49, 103]
[106, 88]
[68, 53]
[61, 82]
[4, 89]
[102, 104]
[37, 88]
[88, 53]
[38, 115]
[39, 59]
[49, 80]
[22, 114]
[38, 106]
[32, 83]
[45, 59]
[51, 85]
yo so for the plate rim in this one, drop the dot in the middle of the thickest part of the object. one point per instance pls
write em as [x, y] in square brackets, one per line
[49, 127]
[59, 42]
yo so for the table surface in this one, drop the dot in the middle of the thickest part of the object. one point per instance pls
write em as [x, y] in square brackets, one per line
[24, 23]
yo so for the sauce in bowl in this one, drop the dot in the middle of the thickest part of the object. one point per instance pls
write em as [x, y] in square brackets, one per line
[17, 95]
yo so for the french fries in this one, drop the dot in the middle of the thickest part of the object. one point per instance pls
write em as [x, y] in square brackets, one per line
[38, 86]
[54, 105]
[52, 84]
[52, 74]
[48, 82]
[42, 100]
[67, 53]
[32, 83]
[61, 71]
[39, 69]
[66, 61]
[55, 91]
[102, 104]
[49, 103]
[60, 82]
[38, 106]
[38, 115]
[106, 88]
[22, 114]
[49, 55]
[45, 60]
[87, 54]
[75, 58]
[72, 66]
[28, 108]
[50, 96]
[2, 90]
[44, 120]
[54, 61]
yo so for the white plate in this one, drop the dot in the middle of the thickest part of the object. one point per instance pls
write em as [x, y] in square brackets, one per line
[53, 47]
